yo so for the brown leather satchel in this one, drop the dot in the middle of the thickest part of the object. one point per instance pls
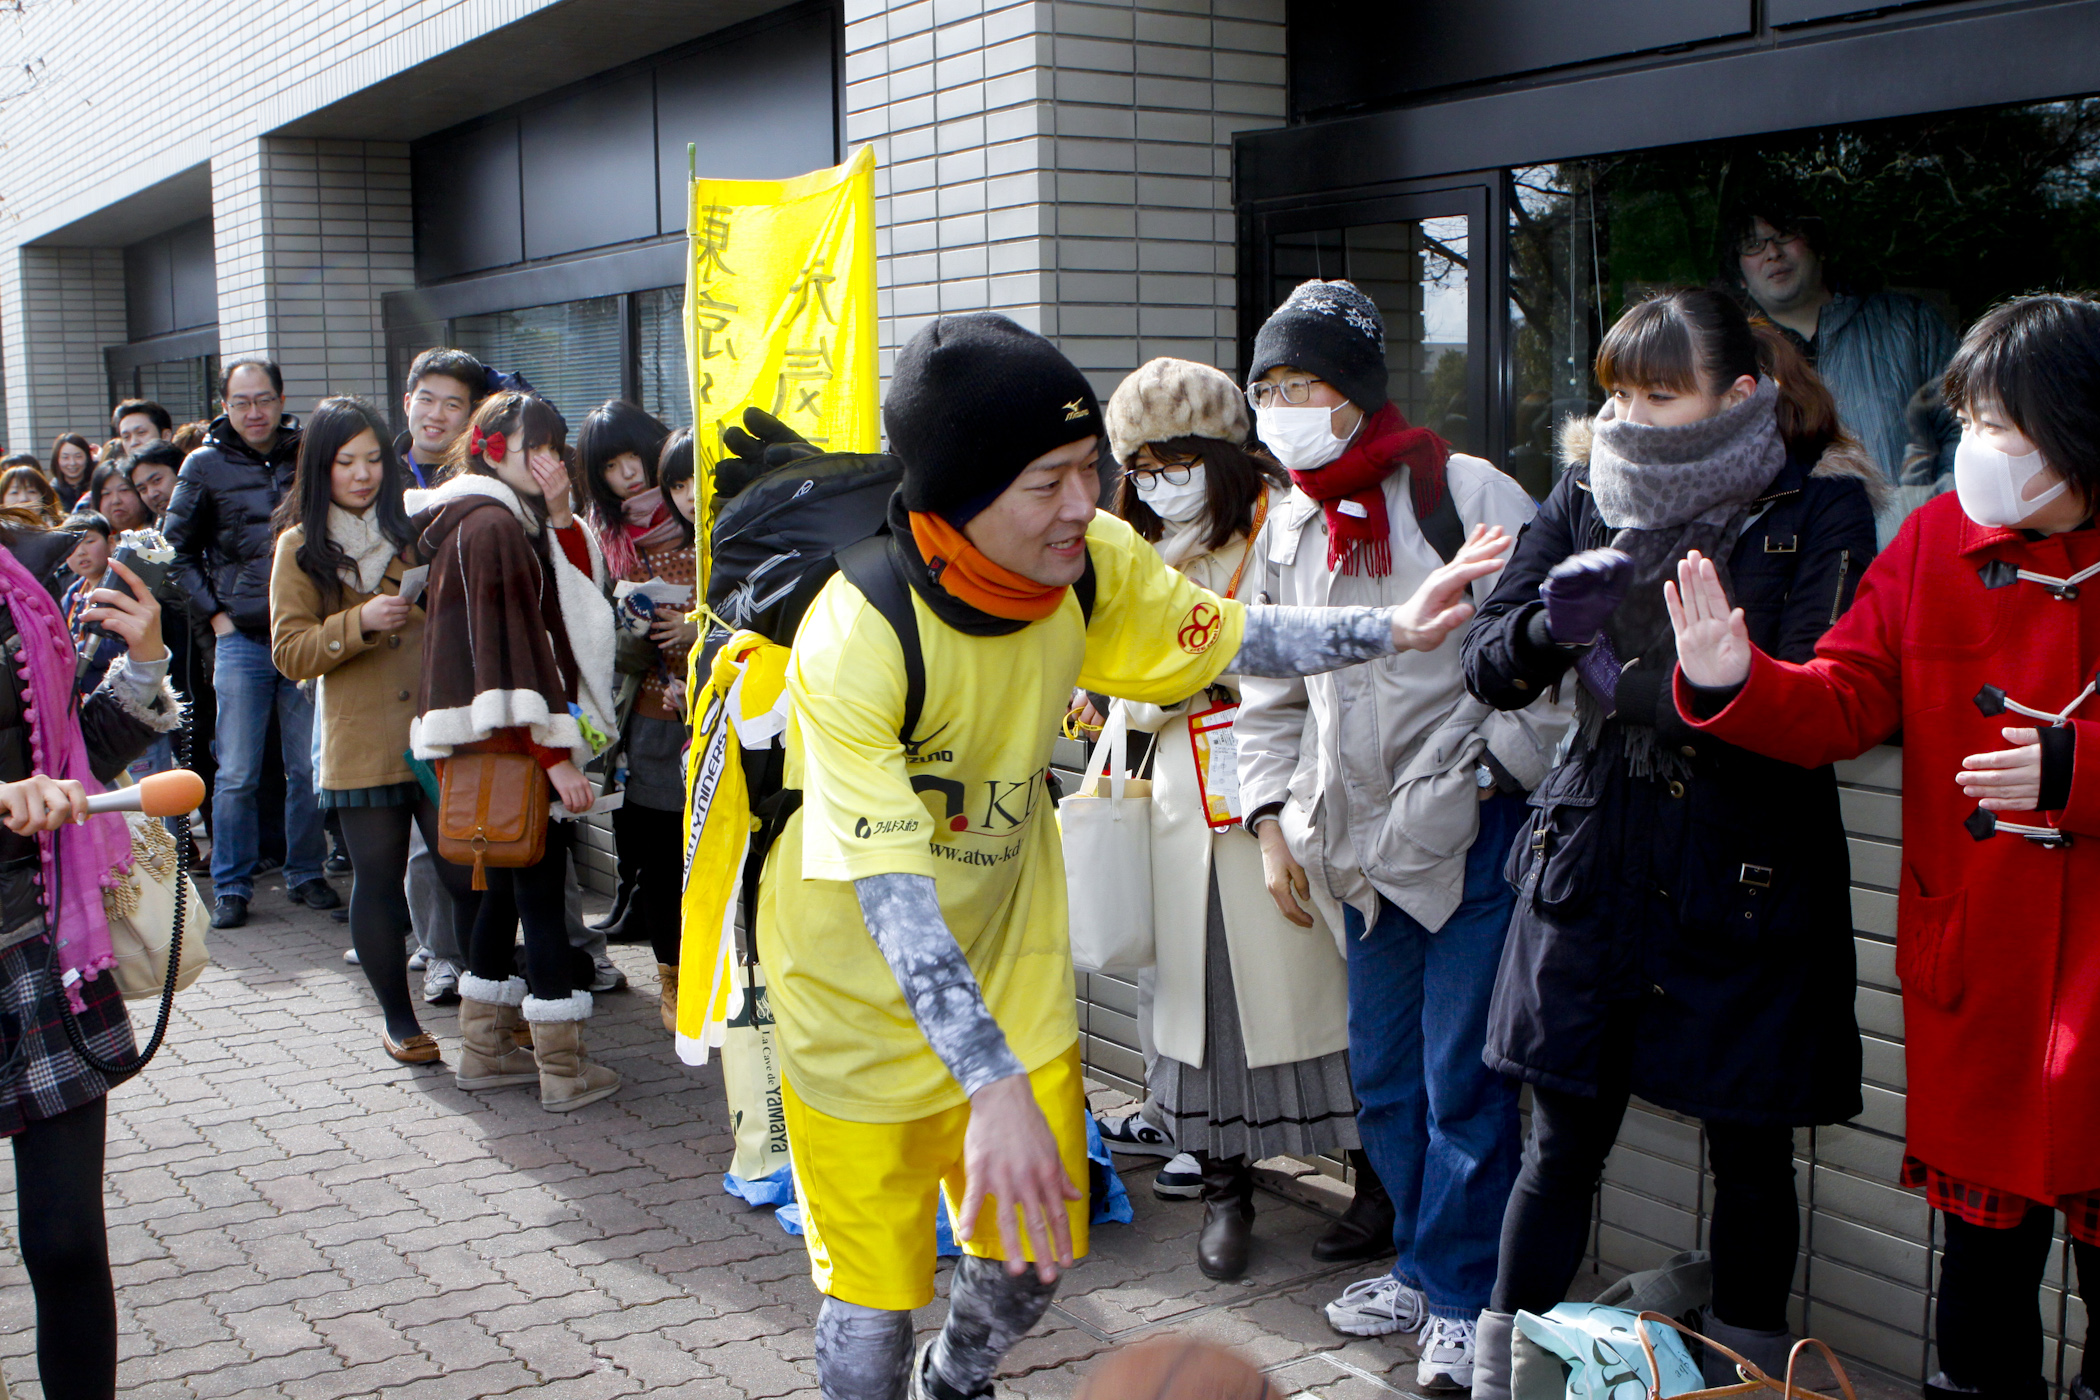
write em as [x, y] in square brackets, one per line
[492, 810]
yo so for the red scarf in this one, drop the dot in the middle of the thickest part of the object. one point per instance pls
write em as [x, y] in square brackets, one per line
[962, 569]
[1351, 490]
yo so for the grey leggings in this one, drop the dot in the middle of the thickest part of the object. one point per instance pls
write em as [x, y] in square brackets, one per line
[865, 1353]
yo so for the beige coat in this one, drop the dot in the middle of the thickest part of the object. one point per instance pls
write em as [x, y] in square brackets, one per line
[367, 691]
[1293, 985]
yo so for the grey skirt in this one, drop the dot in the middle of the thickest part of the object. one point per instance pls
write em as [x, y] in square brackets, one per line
[1226, 1109]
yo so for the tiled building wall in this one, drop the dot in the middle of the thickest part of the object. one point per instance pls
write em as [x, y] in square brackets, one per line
[311, 234]
[1067, 164]
[69, 302]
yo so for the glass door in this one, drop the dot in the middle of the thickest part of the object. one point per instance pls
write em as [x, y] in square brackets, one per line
[1423, 258]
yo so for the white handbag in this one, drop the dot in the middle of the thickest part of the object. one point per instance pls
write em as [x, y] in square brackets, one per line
[1108, 857]
[141, 911]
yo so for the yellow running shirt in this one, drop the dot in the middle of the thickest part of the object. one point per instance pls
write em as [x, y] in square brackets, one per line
[979, 821]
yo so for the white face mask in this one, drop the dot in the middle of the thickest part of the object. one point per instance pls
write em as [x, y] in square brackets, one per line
[1301, 435]
[1177, 505]
[1989, 483]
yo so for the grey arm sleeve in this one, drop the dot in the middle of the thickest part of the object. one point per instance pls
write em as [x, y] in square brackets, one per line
[904, 915]
[1283, 642]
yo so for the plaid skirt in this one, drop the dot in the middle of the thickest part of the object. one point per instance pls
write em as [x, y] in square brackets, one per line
[51, 1079]
[1993, 1209]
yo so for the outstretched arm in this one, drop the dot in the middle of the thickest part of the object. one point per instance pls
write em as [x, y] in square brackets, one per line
[1009, 1152]
[1283, 642]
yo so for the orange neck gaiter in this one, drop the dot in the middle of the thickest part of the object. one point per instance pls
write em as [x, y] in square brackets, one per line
[959, 567]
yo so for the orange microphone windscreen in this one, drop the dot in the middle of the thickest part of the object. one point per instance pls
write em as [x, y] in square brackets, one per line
[171, 794]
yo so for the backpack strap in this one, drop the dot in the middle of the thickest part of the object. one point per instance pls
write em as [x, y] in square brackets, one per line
[1084, 589]
[868, 566]
[1443, 529]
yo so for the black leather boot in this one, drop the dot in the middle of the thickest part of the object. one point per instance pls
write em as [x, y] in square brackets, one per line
[1228, 1217]
[1365, 1230]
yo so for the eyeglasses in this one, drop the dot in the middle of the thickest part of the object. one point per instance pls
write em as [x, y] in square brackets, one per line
[1292, 391]
[246, 405]
[1175, 471]
[1754, 247]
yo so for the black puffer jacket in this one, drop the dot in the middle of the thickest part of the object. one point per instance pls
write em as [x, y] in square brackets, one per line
[1714, 913]
[219, 522]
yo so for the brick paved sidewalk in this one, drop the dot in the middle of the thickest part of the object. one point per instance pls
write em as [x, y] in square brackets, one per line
[294, 1215]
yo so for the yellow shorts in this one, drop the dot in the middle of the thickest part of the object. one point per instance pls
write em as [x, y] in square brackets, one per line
[867, 1190]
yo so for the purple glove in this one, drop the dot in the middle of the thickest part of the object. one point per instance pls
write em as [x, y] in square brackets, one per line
[1580, 593]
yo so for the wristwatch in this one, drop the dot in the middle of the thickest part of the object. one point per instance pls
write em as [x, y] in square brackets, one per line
[1483, 777]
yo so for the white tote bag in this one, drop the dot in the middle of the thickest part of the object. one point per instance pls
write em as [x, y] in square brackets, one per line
[1107, 828]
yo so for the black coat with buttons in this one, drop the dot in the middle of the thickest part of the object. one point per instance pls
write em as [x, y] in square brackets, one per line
[1710, 916]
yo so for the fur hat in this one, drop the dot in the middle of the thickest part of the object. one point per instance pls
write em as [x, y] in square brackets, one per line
[1328, 329]
[1167, 398]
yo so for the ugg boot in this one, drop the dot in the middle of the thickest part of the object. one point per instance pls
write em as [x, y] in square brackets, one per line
[667, 996]
[568, 1079]
[490, 1057]
[1224, 1242]
[1491, 1360]
[1767, 1351]
[1365, 1230]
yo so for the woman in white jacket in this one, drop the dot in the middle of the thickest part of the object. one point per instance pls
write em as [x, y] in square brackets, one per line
[1235, 1079]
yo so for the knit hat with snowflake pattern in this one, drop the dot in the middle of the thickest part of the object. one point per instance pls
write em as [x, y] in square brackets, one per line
[1330, 330]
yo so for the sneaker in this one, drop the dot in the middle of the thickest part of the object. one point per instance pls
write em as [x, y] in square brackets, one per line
[1377, 1307]
[1129, 1133]
[316, 893]
[337, 864]
[1447, 1354]
[419, 960]
[350, 957]
[229, 911]
[1181, 1179]
[441, 983]
[609, 978]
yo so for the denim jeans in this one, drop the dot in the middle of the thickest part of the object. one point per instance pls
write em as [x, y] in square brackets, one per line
[248, 685]
[1440, 1126]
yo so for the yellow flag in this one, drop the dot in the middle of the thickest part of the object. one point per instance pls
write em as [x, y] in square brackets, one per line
[780, 309]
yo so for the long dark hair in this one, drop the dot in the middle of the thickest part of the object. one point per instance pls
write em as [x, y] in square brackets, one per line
[612, 429]
[87, 452]
[118, 471]
[2037, 360]
[334, 424]
[675, 466]
[1698, 340]
[1233, 480]
[524, 420]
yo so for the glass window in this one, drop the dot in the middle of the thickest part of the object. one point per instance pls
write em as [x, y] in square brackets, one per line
[569, 351]
[660, 355]
[188, 389]
[1872, 247]
[1415, 269]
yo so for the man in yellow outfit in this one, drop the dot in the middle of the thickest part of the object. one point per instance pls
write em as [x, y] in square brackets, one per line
[911, 916]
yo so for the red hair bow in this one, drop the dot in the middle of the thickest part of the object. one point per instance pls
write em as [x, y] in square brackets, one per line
[493, 447]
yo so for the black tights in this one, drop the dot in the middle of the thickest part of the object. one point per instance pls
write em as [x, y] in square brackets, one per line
[1990, 1318]
[65, 1248]
[652, 841]
[376, 839]
[536, 897]
[1756, 1226]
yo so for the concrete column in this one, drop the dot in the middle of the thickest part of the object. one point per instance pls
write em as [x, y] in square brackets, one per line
[311, 233]
[1068, 164]
[58, 308]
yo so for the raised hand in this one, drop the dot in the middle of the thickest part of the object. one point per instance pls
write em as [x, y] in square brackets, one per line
[1440, 605]
[133, 615]
[1713, 642]
[1581, 591]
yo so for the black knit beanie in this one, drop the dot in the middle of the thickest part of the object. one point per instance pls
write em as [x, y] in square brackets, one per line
[1331, 330]
[972, 401]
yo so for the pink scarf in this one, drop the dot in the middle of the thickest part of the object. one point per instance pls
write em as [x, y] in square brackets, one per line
[646, 522]
[96, 855]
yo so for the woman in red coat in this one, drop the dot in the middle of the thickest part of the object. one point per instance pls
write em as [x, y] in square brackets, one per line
[1977, 635]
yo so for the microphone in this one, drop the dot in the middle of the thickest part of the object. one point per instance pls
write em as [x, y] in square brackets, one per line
[170, 794]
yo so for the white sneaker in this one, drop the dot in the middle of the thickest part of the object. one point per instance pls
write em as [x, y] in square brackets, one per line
[441, 983]
[1376, 1307]
[1446, 1354]
[1181, 1179]
[419, 960]
[1130, 1133]
[607, 978]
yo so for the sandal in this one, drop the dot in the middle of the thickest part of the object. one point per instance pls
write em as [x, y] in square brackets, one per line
[418, 1049]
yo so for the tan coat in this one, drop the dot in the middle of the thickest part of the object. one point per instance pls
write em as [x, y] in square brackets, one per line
[367, 691]
[1292, 983]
